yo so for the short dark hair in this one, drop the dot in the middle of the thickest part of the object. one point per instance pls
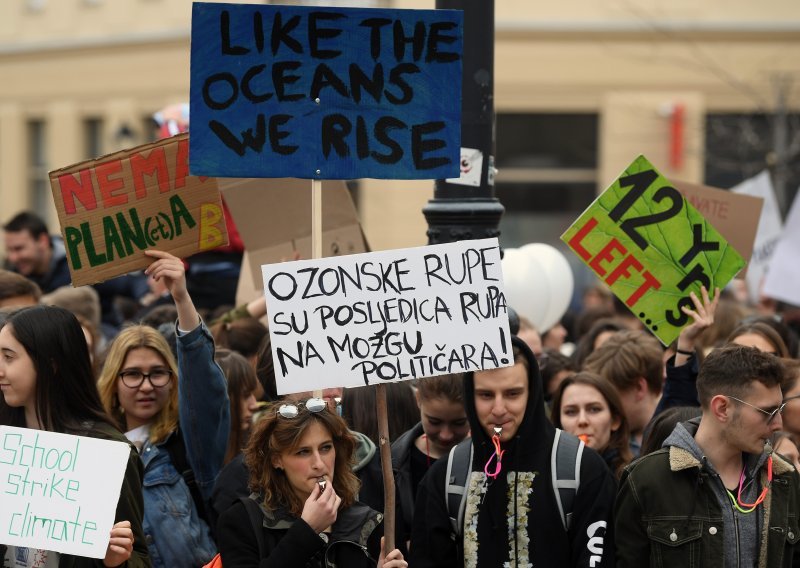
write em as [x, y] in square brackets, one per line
[27, 221]
[626, 356]
[731, 369]
[13, 285]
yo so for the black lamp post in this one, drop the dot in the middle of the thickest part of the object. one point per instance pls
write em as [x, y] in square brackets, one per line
[457, 211]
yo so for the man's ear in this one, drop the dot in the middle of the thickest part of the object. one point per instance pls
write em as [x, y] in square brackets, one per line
[641, 388]
[43, 240]
[721, 408]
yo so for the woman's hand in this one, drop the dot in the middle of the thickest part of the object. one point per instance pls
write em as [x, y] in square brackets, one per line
[703, 316]
[321, 508]
[120, 545]
[392, 560]
[169, 269]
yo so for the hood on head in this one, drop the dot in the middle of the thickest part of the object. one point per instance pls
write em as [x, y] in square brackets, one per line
[535, 433]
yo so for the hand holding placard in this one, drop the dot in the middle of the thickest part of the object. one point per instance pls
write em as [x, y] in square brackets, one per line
[54, 495]
[652, 247]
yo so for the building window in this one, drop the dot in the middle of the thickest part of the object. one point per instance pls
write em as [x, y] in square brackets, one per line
[38, 180]
[93, 137]
[547, 173]
[738, 146]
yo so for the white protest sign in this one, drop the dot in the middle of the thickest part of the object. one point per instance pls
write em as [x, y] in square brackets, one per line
[55, 495]
[384, 316]
[769, 232]
[784, 269]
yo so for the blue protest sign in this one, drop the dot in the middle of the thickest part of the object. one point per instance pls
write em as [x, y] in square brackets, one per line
[326, 93]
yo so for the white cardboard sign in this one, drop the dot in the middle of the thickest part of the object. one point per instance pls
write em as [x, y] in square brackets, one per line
[784, 268]
[59, 492]
[387, 316]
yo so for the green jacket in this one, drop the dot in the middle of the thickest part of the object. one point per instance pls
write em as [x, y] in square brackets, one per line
[668, 515]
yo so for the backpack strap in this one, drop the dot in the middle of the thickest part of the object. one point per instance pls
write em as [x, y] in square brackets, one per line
[565, 466]
[256, 521]
[459, 461]
[176, 449]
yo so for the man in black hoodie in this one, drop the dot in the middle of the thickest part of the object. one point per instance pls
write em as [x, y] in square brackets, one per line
[513, 518]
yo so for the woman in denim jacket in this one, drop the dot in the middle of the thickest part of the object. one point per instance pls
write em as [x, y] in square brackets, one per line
[138, 387]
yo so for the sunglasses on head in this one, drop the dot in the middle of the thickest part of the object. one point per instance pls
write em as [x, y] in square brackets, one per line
[292, 409]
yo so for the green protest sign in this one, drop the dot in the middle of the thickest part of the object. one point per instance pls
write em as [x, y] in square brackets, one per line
[652, 247]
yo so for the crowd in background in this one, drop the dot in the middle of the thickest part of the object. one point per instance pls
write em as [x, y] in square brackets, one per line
[191, 385]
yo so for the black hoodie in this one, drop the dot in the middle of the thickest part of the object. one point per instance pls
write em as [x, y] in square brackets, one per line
[525, 531]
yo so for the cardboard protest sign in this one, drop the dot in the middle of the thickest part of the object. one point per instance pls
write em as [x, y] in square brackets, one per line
[112, 208]
[273, 217]
[54, 495]
[387, 316]
[652, 247]
[735, 216]
[325, 93]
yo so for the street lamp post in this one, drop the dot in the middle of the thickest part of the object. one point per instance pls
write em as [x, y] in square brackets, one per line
[460, 211]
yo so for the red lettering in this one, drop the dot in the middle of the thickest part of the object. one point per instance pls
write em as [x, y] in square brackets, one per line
[606, 254]
[575, 241]
[154, 164]
[622, 269]
[109, 185]
[182, 163]
[83, 190]
[723, 210]
[649, 282]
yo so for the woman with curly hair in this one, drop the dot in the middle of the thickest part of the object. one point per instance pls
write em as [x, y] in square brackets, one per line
[299, 458]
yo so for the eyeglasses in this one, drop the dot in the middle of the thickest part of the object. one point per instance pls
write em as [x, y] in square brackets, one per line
[291, 410]
[785, 400]
[769, 414]
[157, 377]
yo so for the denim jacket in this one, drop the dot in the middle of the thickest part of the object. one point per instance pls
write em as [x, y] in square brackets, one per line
[176, 536]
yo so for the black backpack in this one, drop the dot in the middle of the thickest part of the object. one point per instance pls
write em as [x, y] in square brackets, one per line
[565, 465]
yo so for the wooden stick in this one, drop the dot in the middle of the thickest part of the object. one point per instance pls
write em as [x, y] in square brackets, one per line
[316, 230]
[386, 467]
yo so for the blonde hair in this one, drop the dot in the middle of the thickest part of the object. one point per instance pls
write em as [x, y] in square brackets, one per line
[134, 337]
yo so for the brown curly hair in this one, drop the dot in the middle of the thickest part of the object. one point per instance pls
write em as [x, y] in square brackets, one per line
[274, 435]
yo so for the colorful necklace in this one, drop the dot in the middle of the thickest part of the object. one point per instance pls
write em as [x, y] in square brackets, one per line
[743, 507]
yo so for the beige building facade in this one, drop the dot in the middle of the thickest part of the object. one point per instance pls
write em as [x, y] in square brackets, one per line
[598, 81]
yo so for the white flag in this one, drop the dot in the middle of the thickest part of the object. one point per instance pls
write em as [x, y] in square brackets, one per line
[769, 232]
[784, 269]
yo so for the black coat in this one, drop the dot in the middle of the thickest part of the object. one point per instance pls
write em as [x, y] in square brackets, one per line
[289, 542]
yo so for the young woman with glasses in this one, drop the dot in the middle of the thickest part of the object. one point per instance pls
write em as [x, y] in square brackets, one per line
[47, 383]
[143, 387]
[299, 458]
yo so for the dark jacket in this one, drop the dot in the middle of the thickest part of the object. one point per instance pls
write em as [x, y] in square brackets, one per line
[289, 542]
[517, 513]
[668, 513]
[130, 506]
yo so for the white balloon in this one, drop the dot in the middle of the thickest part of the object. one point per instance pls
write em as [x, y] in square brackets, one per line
[526, 289]
[560, 281]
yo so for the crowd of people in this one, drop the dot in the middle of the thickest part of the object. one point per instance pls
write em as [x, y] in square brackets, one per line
[597, 447]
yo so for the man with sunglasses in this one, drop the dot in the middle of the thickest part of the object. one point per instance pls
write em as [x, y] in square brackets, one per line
[716, 494]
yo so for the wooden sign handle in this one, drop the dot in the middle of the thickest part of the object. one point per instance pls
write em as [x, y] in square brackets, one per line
[386, 467]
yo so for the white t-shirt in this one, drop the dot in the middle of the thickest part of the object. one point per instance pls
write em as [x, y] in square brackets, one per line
[21, 557]
[138, 436]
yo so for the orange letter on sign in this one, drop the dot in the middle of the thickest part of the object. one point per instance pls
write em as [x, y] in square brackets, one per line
[575, 242]
[84, 191]
[649, 282]
[606, 254]
[622, 269]
[109, 185]
[210, 234]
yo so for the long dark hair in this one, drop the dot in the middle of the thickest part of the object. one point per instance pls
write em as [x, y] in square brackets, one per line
[619, 441]
[242, 382]
[66, 393]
